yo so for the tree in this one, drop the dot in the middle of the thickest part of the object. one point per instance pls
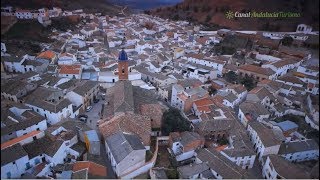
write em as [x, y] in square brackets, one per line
[208, 18]
[287, 41]
[212, 90]
[248, 82]
[176, 17]
[231, 77]
[173, 121]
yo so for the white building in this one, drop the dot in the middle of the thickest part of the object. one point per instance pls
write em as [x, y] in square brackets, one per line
[14, 161]
[125, 151]
[183, 145]
[3, 48]
[24, 14]
[32, 122]
[303, 28]
[242, 158]
[51, 104]
[201, 72]
[276, 167]
[154, 67]
[263, 139]
[67, 59]
[213, 62]
[25, 64]
[297, 151]
[282, 67]
[249, 111]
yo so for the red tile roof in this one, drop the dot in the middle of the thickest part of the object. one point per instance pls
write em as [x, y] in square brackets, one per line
[203, 102]
[183, 97]
[220, 148]
[18, 139]
[47, 55]
[257, 69]
[93, 168]
[70, 69]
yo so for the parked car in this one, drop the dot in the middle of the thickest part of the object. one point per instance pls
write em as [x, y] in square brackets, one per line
[89, 108]
[83, 118]
[82, 115]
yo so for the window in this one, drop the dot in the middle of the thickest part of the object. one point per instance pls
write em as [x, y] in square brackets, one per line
[38, 129]
[9, 175]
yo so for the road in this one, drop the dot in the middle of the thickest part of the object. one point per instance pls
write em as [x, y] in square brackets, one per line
[93, 117]
[94, 114]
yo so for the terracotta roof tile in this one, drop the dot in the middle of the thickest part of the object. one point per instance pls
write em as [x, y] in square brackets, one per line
[128, 122]
[18, 139]
[203, 102]
[47, 55]
[154, 111]
[70, 69]
[257, 69]
[93, 168]
[183, 97]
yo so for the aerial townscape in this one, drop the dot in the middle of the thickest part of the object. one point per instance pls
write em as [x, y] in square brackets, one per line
[134, 95]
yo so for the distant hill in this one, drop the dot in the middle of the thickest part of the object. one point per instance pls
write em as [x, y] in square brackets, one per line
[90, 6]
[212, 13]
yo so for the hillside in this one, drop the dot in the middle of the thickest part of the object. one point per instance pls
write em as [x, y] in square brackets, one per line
[212, 13]
[90, 6]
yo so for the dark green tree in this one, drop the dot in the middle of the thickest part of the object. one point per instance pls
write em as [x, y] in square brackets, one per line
[231, 77]
[212, 90]
[173, 121]
[287, 41]
[176, 17]
[248, 82]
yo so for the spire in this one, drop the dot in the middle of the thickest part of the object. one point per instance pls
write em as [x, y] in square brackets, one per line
[123, 55]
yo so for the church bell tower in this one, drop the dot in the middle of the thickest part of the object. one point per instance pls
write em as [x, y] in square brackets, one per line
[123, 65]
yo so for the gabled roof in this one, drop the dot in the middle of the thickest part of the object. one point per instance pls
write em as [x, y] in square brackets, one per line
[265, 134]
[128, 122]
[70, 69]
[12, 153]
[122, 144]
[223, 166]
[298, 146]
[286, 169]
[257, 69]
[18, 139]
[47, 55]
[91, 168]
